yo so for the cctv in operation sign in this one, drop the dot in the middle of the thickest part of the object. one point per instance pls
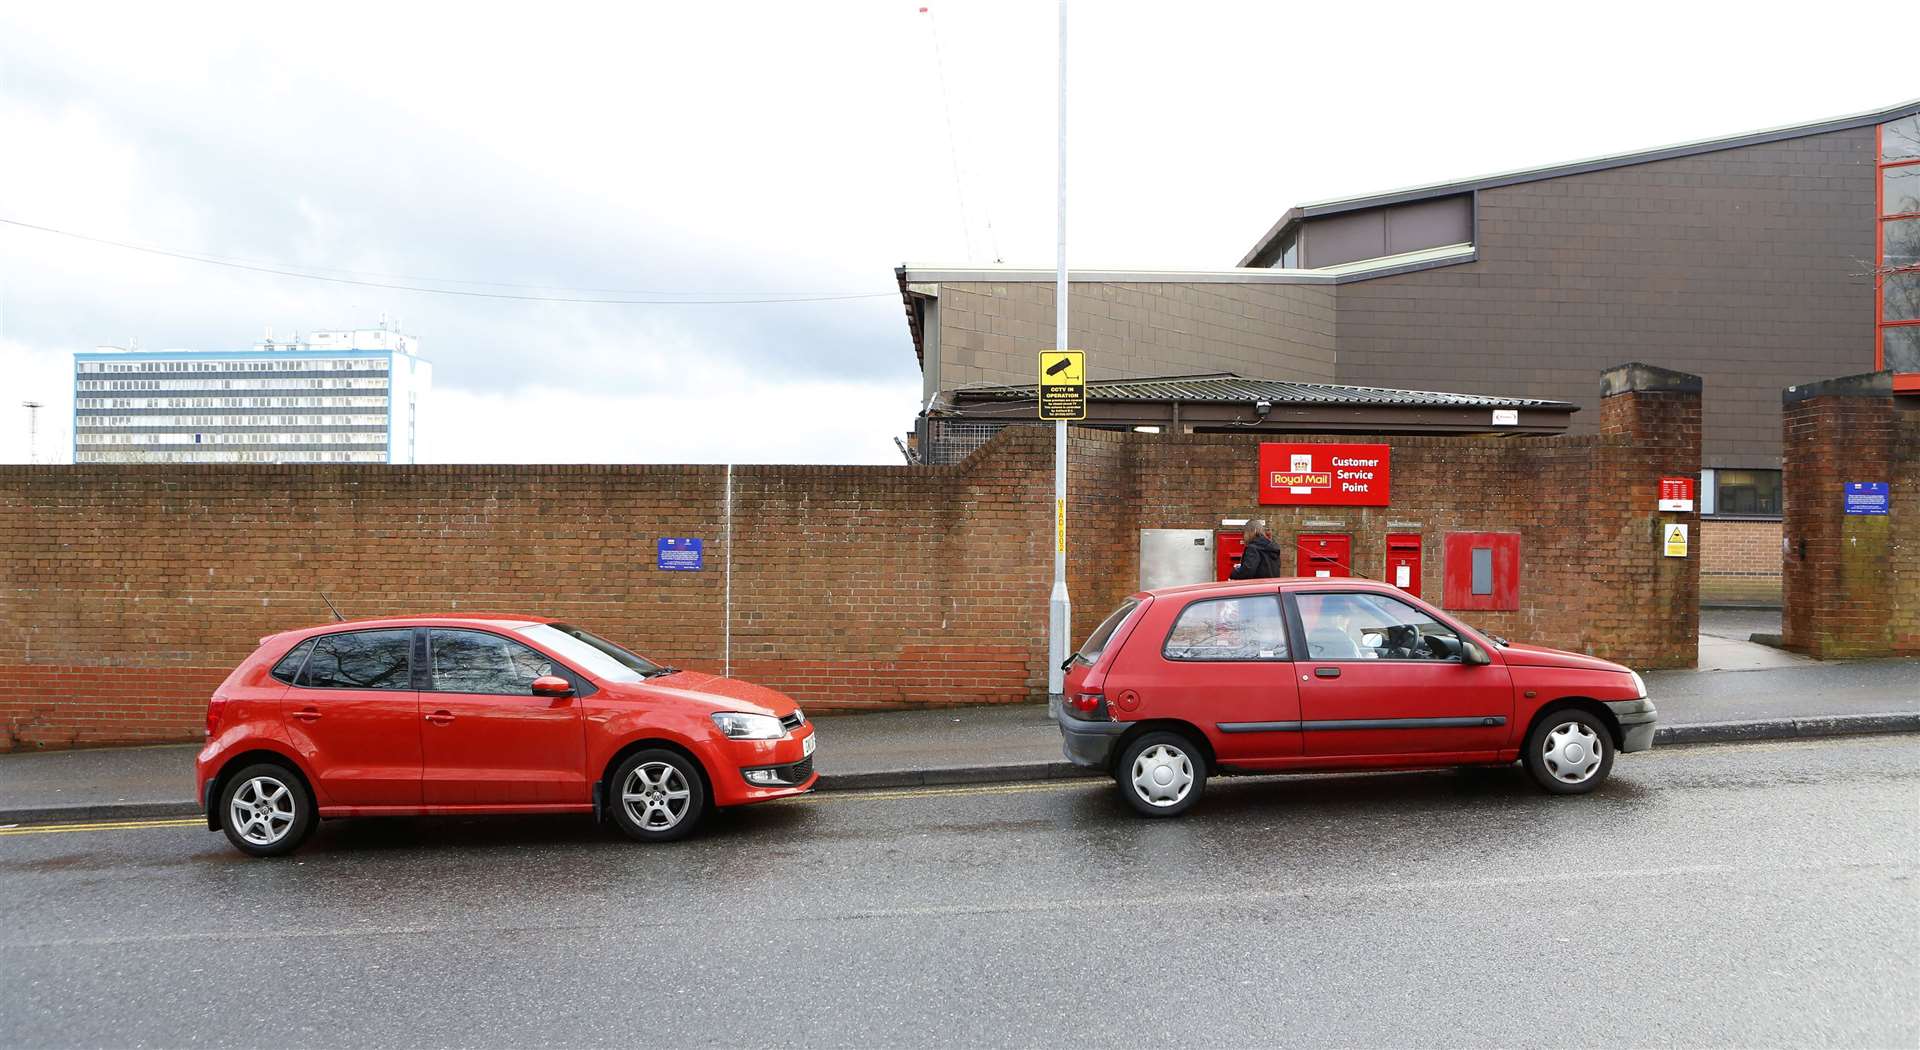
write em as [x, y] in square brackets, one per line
[1063, 384]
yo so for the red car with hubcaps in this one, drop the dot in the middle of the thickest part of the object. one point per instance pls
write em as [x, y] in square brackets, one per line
[484, 714]
[1312, 674]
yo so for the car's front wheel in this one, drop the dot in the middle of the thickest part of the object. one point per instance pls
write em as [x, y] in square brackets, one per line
[657, 795]
[266, 810]
[1162, 774]
[1570, 752]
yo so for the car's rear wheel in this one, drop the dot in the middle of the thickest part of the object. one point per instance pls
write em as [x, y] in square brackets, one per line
[266, 810]
[1162, 774]
[657, 795]
[1569, 752]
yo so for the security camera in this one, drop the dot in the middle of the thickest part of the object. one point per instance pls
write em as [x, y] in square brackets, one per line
[1263, 407]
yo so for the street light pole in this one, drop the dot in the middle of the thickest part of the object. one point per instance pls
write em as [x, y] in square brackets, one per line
[33, 429]
[1059, 608]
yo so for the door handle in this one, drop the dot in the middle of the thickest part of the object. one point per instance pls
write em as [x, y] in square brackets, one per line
[1326, 672]
[440, 718]
[307, 714]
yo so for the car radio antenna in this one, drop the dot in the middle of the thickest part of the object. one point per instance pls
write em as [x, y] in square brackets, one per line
[337, 618]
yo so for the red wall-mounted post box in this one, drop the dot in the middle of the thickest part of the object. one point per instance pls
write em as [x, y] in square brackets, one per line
[1483, 570]
[1227, 549]
[1403, 561]
[1323, 554]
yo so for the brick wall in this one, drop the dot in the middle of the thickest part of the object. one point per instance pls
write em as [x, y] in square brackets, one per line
[1740, 562]
[130, 591]
[1852, 582]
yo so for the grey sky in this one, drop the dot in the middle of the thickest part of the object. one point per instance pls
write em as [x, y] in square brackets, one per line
[773, 148]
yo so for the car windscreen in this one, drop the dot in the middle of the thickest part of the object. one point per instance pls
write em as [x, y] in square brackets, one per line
[590, 653]
[1097, 641]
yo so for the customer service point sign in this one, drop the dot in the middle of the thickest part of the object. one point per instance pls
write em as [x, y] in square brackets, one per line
[1325, 475]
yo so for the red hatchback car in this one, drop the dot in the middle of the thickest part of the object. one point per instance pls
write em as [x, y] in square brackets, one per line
[462, 714]
[1299, 675]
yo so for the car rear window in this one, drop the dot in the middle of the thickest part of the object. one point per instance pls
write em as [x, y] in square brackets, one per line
[361, 660]
[1097, 641]
[1244, 628]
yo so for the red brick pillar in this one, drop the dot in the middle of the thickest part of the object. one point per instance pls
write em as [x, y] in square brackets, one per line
[1649, 428]
[1852, 581]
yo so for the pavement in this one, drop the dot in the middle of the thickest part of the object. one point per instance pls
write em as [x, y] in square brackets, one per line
[1750, 895]
[1726, 640]
[1020, 743]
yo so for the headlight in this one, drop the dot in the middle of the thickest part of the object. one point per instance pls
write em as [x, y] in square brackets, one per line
[1639, 684]
[738, 726]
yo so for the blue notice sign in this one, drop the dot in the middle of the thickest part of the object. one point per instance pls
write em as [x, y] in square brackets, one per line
[1866, 497]
[680, 553]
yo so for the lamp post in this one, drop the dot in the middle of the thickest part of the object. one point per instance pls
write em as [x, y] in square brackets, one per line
[1059, 607]
[33, 429]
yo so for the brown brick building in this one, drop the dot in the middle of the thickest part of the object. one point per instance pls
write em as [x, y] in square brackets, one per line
[1756, 261]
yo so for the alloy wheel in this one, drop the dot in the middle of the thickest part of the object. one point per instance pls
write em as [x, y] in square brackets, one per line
[1572, 752]
[1162, 775]
[262, 811]
[656, 796]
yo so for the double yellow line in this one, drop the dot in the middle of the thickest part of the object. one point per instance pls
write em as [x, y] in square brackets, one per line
[106, 825]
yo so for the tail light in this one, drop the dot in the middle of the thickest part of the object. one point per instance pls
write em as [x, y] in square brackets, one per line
[215, 708]
[1089, 706]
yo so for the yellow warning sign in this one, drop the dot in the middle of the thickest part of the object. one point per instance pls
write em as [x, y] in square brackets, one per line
[1676, 540]
[1063, 384]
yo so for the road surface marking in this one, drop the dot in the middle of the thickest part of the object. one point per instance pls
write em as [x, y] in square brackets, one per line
[105, 825]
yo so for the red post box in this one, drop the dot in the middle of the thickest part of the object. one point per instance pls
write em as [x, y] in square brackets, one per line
[1323, 554]
[1403, 561]
[1227, 549]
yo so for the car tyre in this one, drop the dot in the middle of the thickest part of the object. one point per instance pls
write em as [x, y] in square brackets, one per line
[657, 795]
[266, 810]
[1569, 752]
[1162, 774]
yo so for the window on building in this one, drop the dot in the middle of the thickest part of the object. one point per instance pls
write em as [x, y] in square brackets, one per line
[1750, 493]
[1898, 246]
[1289, 252]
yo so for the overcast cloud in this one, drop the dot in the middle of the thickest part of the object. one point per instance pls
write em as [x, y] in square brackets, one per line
[776, 148]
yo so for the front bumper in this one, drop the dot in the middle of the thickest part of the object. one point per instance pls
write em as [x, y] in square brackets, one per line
[1636, 718]
[1089, 744]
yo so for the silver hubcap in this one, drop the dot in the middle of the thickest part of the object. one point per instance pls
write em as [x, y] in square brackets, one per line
[1572, 752]
[1162, 775]
[656, 796]
[262, 811]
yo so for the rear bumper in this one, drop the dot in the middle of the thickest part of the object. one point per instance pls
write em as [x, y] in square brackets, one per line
[1089, 744]
[1636, 718]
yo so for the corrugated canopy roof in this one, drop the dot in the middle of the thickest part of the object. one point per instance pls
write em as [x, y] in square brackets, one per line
[1229, 388]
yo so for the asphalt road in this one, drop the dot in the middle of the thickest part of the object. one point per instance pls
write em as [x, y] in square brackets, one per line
[1754, 895]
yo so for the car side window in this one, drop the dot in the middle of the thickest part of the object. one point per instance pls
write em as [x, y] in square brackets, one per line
[289, 665]
[360, 660]
[1366, 626]
[478, 662]
[1244, 628]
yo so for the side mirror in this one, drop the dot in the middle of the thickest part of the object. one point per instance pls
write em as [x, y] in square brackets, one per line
[1473, 655]
[552, 685]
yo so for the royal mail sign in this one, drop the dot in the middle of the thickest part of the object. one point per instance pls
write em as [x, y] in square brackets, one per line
[1324, 475]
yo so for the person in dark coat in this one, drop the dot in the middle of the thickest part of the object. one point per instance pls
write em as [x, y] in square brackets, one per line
[1262, 558]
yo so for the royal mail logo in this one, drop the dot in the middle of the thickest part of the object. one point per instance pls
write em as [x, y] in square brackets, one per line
[1282, 480]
